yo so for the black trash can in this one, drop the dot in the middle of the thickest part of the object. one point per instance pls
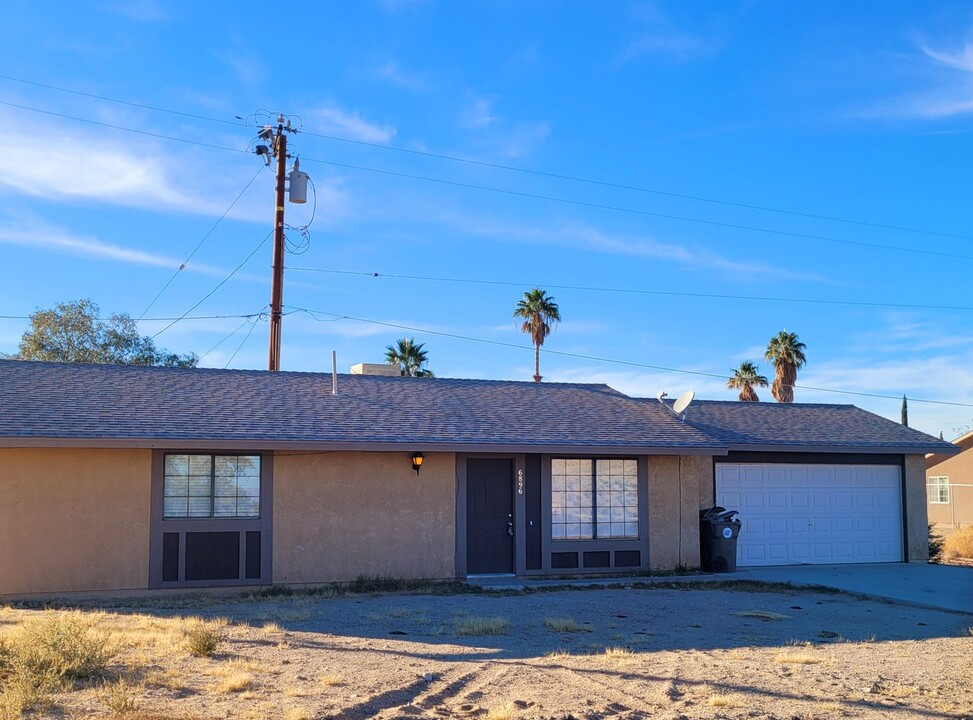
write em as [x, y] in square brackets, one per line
[718, 533]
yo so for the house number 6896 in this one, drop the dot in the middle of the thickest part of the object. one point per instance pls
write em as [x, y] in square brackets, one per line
[520, 482]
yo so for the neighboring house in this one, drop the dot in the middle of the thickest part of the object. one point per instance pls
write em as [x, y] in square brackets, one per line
[121, 478]
[949, 485]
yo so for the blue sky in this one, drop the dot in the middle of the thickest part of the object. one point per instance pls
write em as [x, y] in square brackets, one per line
[858, 111]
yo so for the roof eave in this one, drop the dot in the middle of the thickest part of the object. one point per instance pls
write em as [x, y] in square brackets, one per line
[845, 449]
[329, 446]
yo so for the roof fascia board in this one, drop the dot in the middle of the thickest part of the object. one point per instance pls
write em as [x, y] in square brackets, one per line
[236, 444]
[846, 449]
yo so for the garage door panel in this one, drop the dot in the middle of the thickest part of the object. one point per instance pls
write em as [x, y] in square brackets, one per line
[796, 514]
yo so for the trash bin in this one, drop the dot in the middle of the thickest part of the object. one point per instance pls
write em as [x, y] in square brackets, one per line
[718, 533]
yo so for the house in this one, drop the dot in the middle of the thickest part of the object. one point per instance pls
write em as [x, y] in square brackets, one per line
[949, 485]
[122, 477]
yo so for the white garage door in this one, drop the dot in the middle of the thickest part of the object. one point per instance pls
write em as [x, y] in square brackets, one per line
[818, 514]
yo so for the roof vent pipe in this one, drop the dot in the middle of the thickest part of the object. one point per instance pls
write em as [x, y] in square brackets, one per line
[334, 372]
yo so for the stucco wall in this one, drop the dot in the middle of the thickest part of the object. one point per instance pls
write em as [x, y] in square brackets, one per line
[917, 529]
[959, 470]
[73, 519]
[341, 515]
[674, 502]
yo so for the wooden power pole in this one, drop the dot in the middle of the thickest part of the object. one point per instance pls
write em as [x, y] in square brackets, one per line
[277, 285]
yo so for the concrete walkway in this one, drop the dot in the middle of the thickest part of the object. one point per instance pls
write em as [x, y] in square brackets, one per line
[943, 587]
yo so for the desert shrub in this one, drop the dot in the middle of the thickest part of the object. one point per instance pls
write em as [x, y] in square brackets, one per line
[60, 647]
[959, 544]
[203, 639]
[935, 544]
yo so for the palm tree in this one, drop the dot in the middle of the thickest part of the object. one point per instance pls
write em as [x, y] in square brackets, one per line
[745, 378]
[409, 356]
[786, 352]
[539, 311]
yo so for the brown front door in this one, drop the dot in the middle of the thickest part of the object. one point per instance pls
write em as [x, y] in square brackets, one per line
[489, 516]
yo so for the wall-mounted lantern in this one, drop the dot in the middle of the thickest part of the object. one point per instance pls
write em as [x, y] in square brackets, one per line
[417, 462]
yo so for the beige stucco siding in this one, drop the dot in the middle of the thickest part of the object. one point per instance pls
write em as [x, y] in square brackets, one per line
[341, 515]
[73, 519]
[917, 528]
[675, 484]
[959, 470]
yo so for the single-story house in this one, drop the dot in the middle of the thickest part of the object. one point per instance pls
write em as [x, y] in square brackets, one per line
[122, 478]
[949, 485]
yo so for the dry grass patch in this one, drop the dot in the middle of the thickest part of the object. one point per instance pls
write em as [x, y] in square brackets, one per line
[761, 615]
[619, 653]
[332, 680]
[558, 654]
[564, 625]
[234, 683]
[204, 638]
[727, 701]
[797, 658]
[298, 713]
[476, 626]
[121, 697]
[504, 712]
[272, 628]
[959, 544]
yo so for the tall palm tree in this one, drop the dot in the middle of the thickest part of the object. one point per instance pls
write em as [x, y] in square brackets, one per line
[786, 352]
[745, 378]
[409, 356]
[539, 312]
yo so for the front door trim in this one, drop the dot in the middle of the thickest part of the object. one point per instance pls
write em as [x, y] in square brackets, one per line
[518, 509]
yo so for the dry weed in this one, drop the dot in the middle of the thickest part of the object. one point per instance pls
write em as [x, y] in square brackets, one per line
[727, 701]
[959, 544]
[234, 683]
[121, 697]
[298, 713]
[504, 712]
[558, 654]
[476, 626]
[619, 653]
[761, 615]
[203, 638]
[797, 658]
[331, 680]
[564, 625]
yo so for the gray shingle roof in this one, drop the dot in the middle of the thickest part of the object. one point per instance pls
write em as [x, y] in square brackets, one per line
[781, 426]
[169, 406]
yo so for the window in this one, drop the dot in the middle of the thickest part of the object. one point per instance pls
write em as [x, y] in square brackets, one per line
[594, 499]
[938, 489]
[211, 486]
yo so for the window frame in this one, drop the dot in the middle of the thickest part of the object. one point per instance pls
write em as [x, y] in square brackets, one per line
[159, 526]
[938, 485]
[213, 456]
[594, 537]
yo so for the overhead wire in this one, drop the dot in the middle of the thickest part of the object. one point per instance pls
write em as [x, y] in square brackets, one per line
[201, 242]
[596, 358]
[523, 194]
[218, 286]
[631, 291]
[240, 346]
[512, 168]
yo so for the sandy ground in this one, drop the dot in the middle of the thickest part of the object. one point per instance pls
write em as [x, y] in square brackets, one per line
[605, 653]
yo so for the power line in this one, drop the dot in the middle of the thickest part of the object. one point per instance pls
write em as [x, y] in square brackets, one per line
[513, 168]
[200, 243]
[233, 332]
[614, 361]
[636, 211]
[240, 346]
[631, 291]
[218, 286]
[154, 319]
[518, 193]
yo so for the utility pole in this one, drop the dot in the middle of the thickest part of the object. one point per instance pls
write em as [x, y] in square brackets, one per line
[298, 194]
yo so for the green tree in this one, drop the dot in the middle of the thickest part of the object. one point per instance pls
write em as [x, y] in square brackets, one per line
[73, 332]
[786, 352]
[905, 411]
[410, 357]
[538, 311]
[745, 378]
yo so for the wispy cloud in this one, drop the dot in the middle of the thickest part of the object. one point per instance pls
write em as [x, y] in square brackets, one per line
[394, 73]
[949, 92]
[507, 138]
[351, 124]
[658, 34]
[480, 114]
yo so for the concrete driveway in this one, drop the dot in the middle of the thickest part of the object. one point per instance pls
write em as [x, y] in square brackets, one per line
[944, 587]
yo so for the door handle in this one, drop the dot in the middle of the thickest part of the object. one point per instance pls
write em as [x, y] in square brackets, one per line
[510, 529]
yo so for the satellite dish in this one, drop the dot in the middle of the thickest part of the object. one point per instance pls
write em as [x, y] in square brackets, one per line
[683, 402]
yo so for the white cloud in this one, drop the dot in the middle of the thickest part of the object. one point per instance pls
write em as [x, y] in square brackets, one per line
[395, 74]
[659, 35]
[524, 138]
[480, 113]
[335, 120]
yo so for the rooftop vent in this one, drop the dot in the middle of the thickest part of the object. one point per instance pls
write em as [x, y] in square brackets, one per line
[383, 369]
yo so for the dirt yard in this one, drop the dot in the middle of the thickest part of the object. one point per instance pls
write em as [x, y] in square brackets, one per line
[598, 653]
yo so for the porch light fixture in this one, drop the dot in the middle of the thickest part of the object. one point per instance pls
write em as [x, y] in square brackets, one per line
[417, 462]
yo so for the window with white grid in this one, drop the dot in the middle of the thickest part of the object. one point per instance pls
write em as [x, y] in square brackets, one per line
[211, 486]
[938, 490]
[594, 499]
